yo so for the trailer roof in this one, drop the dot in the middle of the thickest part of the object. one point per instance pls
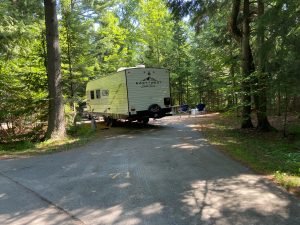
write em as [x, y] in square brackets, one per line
[138, 67]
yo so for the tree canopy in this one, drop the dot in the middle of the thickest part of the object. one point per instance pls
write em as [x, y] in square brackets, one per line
[238, 54]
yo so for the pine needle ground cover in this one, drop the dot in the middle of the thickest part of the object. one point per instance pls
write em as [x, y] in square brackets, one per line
[266, 153]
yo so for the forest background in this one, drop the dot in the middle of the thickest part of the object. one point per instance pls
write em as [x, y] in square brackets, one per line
[231, 55]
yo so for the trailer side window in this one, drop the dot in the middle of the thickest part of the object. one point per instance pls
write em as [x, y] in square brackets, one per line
[98, 94]
[92, 95]
[105, 92]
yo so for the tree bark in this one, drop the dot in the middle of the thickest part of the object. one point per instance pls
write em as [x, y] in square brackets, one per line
[278, 102]
[71, 77]
[56, 121]
[243, 37]
[260, 95]
[247, 67]
[285, 134]
[233, 25]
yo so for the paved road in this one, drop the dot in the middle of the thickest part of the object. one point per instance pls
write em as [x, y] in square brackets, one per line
[163, 174]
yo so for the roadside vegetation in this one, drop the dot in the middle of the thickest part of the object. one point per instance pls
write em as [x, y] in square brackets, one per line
[76, 136]
[268, 153]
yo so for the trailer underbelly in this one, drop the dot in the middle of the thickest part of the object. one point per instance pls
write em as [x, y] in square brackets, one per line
[139, 115]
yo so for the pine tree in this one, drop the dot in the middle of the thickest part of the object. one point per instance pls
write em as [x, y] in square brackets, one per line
[56, 121]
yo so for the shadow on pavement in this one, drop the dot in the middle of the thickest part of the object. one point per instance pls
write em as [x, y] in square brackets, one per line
[164, 173]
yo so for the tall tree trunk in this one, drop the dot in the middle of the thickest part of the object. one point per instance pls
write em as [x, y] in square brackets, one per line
[285, 134]
[260, 95]
[278, 102]
[243, 37]
[56, 121]
[247, 67]
[71, 77]
[233, 82]
[187, 89]
[180, 91]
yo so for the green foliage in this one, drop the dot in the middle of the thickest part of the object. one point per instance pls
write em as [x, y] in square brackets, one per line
[77, 136]
[215, 64]
[155, 32]
[111, 46]
[78, 64]
[180, 62]
[23, 79]
[286, 180]
[97, 37]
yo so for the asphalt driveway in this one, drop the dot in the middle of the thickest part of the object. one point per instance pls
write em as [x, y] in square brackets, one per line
[165, 173]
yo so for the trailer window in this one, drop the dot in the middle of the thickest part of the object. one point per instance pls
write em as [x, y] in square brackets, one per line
[98, 94]
[105, 92]
[92, 95]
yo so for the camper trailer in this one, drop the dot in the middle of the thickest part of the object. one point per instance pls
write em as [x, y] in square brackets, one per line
[134, 94]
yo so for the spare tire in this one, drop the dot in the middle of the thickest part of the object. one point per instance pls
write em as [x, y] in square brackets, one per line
[154, 108]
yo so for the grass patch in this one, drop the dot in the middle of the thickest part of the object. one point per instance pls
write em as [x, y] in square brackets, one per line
[77, 136]
[266, 153]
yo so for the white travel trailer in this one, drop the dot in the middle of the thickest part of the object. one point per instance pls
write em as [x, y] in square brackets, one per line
[134, 94]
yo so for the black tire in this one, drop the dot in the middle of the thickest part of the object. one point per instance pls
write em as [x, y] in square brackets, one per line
[110, 122]
[107, 120]
[154, 108]
[145, 121]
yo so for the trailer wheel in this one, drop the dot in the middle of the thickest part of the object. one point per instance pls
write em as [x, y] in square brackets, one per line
[145, 121]
[106, 120]
[154, 108]
[110, 122]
